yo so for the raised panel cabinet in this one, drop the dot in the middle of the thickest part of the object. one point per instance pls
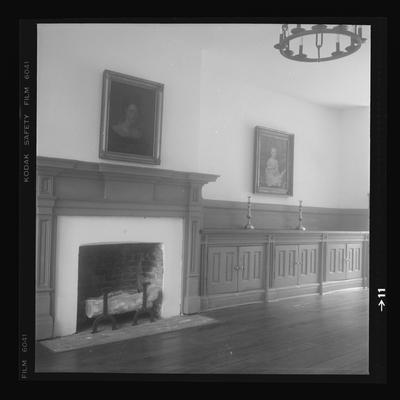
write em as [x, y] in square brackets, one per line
[336, 261]
[250, 273]
[234, 269]
[295, 265]
[308, 263]
[353, 260]
[222, 270]
[285, 267]
[244, 266]
[344, 261]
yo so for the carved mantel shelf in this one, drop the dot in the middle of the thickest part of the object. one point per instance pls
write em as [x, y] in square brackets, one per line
[70, 179]
[80, 187]
[67, 167]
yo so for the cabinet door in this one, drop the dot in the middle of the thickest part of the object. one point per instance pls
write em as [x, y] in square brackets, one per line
[335, 261]
[251, 262]
[221, 270]
[285, 266]
[308, 263]
[353, 260]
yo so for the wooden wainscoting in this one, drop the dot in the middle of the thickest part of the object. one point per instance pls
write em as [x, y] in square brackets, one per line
[232, 215]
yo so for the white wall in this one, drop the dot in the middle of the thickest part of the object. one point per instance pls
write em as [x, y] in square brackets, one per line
[231, 108]
[210, 111]
[353, 186]
[71, 60]
[73, 232]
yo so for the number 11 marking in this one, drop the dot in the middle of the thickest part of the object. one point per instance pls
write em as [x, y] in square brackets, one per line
[381, 293]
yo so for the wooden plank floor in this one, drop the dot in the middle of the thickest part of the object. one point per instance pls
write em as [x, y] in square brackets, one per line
[309, 335]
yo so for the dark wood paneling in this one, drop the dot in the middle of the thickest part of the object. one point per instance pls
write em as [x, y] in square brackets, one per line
[232, 214]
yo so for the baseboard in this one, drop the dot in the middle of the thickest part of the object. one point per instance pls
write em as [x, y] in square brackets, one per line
[330, 286]
[44, 327]
[349, 289]
[191, 305]
[231, 299]
[241, 298]
[292, 291]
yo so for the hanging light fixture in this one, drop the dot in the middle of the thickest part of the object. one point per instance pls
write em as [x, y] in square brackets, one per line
[288, 38]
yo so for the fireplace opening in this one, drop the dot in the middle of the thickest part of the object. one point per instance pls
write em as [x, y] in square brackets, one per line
[120, 273]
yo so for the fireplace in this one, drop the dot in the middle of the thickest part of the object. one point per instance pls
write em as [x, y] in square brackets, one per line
[122, 272]
[82, 203]
[83, 240]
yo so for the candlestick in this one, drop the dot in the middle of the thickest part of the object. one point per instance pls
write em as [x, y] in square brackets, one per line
[249, 225]
[300, 226]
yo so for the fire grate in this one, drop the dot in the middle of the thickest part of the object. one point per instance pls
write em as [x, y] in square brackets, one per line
[151, 309]
[117, 279]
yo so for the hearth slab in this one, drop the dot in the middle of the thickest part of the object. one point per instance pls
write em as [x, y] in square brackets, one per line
[86, 339]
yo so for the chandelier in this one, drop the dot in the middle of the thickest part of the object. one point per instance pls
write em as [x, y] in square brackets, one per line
[346, 35]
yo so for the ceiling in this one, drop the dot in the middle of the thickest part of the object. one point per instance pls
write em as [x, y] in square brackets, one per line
[249, 55]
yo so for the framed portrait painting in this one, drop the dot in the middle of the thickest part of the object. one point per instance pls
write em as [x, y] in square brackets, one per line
[131, 119]
[273, 170]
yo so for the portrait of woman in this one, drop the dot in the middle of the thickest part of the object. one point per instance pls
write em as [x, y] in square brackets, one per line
[127, 135]
[272, 175]
[273, 162]
[131, 119]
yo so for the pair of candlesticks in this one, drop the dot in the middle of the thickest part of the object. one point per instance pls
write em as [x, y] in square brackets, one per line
[249, 225]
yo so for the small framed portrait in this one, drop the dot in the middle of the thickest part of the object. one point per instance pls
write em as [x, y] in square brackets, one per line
[131, 119]
[273, 170]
